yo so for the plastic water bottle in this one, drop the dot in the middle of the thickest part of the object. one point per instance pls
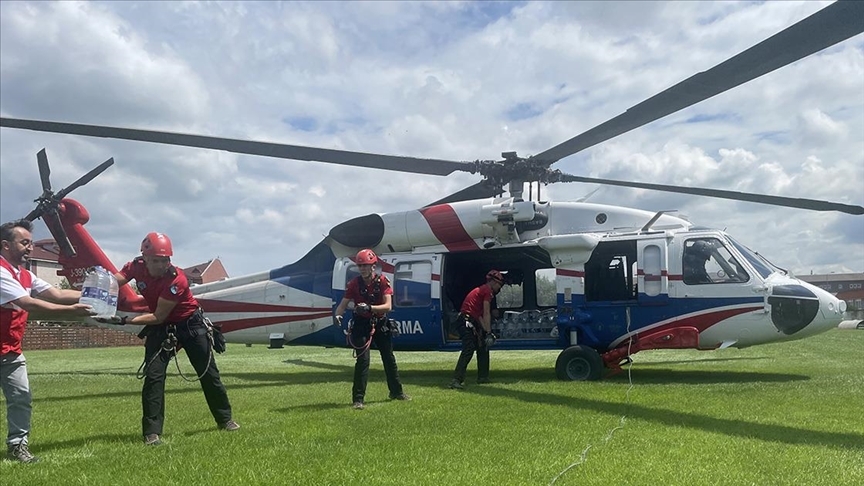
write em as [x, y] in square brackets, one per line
[90, 291]
[103, 291]
[113, 291]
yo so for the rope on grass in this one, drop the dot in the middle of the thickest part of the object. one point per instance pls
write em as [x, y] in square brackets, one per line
[584, 456]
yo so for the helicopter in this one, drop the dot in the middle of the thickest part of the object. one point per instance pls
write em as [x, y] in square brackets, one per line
[599, 282]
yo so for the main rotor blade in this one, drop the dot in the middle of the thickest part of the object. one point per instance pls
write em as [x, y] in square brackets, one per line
[267, 149]
[85, 178]
[44, 170]
[35, 214]
[481, 190]
[790, 202]
[834, 23]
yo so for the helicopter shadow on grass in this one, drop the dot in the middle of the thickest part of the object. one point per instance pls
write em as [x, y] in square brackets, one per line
[676, 418]
[439, 378]
[646, 373]
[743, 429]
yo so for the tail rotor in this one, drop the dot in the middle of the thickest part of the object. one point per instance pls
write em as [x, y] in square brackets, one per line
[47, 205]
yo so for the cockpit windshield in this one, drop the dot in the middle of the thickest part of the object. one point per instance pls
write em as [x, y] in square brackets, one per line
[707, 261]
[762, 266]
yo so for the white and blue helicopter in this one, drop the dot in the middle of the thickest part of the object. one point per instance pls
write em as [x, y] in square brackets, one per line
[599, 282]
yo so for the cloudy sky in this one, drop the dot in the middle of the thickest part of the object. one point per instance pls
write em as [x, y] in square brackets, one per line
[449, 80]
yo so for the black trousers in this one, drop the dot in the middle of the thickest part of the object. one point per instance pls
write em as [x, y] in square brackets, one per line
[384, 342]
[193, 338]
[472, 342]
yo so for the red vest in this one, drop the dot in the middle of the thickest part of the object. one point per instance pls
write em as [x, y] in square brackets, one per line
[13, 321]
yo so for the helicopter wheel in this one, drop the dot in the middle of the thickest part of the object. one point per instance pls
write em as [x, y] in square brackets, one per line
[579, 363]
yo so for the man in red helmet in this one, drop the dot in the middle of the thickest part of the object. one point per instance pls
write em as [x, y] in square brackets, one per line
[372, 297]
[175, 318]
[20, 292]
[475, 329]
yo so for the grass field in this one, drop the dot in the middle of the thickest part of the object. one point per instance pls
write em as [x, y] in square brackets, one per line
[782, 414]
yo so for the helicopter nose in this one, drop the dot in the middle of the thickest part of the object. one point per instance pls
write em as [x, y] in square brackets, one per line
[798, 307]
[793, 307]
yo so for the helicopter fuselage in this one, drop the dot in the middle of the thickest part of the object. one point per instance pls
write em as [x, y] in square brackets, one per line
[607, 278]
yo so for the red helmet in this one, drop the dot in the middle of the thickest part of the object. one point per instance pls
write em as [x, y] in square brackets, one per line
[156, 244]
[496, 276]
[366, 257]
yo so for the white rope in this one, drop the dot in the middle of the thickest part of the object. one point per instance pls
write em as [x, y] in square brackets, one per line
[584, 456]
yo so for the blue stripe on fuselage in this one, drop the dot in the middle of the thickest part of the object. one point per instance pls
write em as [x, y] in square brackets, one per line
[313, 273]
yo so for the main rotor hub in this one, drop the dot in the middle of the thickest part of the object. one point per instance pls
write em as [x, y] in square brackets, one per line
[515, 171]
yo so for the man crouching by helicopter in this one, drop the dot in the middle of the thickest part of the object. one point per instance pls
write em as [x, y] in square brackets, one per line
[175, 319]
[475, 329]
[372, 296]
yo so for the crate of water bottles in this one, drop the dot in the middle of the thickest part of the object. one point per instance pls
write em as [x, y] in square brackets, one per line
[526, 324]
[100, 291]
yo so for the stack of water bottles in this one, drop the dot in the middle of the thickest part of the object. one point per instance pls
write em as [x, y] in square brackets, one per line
[99, 291]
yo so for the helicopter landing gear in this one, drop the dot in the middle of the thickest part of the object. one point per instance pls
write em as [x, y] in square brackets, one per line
[579, 363]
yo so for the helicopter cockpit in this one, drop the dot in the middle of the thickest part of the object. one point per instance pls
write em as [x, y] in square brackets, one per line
[708, 261]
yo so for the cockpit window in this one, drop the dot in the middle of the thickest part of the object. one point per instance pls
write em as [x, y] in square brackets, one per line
[707, 261]
[761, 267]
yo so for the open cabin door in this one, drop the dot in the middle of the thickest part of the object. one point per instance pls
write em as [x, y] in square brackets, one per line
[524, 313]
[416, 281]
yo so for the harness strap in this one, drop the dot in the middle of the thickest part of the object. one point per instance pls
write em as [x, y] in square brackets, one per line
[359, 350]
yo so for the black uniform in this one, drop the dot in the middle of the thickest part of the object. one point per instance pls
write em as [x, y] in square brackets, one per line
[191, 335]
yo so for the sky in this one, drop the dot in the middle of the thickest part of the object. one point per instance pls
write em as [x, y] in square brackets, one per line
[446, 80]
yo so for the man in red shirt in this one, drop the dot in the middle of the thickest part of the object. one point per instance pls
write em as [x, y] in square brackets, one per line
[475, 329]
[174, 319]
[372, 296]
[17, 288]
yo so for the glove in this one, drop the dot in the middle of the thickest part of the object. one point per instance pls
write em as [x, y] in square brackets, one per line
[489, 341]
[363, 309]
[115, 320]
[337, 320]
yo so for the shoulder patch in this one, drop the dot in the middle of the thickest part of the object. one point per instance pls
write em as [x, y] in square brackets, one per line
[173, 289]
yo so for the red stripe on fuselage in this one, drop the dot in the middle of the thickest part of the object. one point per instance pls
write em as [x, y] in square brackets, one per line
[569, 273]
[700, 321]
[246, 323]
[228, 306]
[447, 227]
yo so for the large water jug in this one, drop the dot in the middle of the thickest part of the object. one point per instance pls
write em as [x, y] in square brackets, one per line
[90, 291]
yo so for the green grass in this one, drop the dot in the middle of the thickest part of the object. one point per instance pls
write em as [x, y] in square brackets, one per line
[772, 415]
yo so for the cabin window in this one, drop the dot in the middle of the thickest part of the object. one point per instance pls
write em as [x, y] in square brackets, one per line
[510, 296]
[706, 261]
[547, 290]
[412, 284]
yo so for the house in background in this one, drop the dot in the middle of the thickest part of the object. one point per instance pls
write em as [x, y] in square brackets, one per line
[203, 273]
[43, 261]
[46, 253]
